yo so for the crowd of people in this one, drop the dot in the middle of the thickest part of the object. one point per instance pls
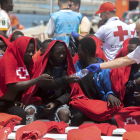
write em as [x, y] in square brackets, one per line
[38, 79]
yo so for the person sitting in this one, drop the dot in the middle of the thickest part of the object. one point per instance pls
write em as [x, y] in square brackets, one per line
[15, 35]
[3, 45]
[15, 75]
[95, 86]
[55, 97]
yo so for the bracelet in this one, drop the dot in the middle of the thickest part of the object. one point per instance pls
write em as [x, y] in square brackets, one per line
[135, 83]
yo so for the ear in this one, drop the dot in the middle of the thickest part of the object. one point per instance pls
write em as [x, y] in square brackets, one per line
[77, 6]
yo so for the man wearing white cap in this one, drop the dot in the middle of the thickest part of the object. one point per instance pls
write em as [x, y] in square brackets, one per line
[113, 32]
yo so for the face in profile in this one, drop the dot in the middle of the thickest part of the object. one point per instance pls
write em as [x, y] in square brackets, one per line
[44, 47]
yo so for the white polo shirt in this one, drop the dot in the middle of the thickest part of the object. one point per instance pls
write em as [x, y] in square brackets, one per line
[5, 23]
[113, 34]
[135, 55]
[133, 30]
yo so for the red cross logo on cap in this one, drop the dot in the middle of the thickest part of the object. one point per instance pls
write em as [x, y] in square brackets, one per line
[22, 73]
[121, 33]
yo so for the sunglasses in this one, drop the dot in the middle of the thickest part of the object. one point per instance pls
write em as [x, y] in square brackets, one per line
[70, 5]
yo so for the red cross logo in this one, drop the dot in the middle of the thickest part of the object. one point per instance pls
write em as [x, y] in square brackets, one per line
[133, 32]
[22, 73]
[130, 121]
[121, 33]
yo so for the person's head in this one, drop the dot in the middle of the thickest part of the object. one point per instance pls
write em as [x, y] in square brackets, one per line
[45, 45]
[58, 53]
[133, 44]
[63, 4]
[86, 48]
[29, 52]
[74, 5]
[100, 23]
[138, 28]
[3, 46]
[7, 5]
[107, 10]
[16, 35]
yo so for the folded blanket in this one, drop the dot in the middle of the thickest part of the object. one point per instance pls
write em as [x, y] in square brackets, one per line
[90, 133]
[134, 135]
[132, 127]
[106, 128]
[4, 132]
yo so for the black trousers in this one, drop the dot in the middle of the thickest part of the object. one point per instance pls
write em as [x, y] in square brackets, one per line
[9, 108]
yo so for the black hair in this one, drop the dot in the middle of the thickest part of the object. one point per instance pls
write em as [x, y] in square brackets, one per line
[16, 33]
[63, 1]
[88, 44]
[134, 41]
[57, 44]
[113, 12]
[46, 41]
[76, 2]
[2, 1]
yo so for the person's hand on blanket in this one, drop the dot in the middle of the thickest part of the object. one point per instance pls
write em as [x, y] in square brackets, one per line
[112, 100]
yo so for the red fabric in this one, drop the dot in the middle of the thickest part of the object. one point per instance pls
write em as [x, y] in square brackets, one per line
[120, 76]
[59, 126]
[106, 128]
[99, 53]
[35, 130]
[9, 38]
[37, 56]
[90, 133]
[132, 127]
[95, 109]
[134, 135]
[12, 67]
[128, 115]
[4, 132]
[39, 69]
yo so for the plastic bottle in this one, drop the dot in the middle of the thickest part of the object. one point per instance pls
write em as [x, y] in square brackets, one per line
[82, 73]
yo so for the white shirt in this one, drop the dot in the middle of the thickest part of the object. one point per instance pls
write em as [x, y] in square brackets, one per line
[132, 28]
[113, 34]
[135, 55]
[5, 23]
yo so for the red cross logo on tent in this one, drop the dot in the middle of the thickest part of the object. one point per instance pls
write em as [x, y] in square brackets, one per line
[121, 33]
[22, 73]
[130, 121]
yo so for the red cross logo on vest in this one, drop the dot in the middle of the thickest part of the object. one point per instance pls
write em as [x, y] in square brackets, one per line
[22, 73]
[121, 33]
[130, 121]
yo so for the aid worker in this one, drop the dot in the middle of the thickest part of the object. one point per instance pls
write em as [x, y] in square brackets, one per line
[131, 58]
[5, 23]
[113, 32]
[63, 22]
[132, 28]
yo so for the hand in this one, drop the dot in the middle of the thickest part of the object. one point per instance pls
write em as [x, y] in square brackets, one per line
[1, 52]
[49, 107]
[75, 34]
[137, 96]
[45, 79]
[20, 104]
[111, 99]
[94, 67]
[72, 79]
[138, 81]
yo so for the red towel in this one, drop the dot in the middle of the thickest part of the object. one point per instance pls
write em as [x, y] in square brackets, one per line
[95, 109]
[90, 133]
[99, 53]
[35, 130]
[132, 127]
[128, 115]
[134, 135]
[106, 128]
[58, 126]
[12, 67]
[39, 69]
[120, 76]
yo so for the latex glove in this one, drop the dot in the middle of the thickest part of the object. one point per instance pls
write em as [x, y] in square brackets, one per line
[75, 34]
[94, 67]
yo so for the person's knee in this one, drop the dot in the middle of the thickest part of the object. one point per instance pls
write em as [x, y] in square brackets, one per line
[30, 111]
[63, 115]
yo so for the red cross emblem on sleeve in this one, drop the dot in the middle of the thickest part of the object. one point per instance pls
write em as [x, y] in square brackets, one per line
[120, 33]
[22, 73]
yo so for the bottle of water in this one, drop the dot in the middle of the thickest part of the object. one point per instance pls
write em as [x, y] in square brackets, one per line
[82, 73]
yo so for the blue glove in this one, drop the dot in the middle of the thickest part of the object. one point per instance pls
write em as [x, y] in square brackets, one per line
[75, 34]
[94, 67]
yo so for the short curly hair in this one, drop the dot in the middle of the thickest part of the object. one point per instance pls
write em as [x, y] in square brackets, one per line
[88, 44]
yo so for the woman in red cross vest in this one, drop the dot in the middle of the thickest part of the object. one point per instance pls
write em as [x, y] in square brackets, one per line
[16, 67]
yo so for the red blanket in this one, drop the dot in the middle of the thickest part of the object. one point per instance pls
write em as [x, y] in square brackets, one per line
[39, 69]
[128, 115]
[95, 109]
[99, 53]
[120, 76]
[132, 127]
[106, 128]
[12, 67]
[134, 135]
